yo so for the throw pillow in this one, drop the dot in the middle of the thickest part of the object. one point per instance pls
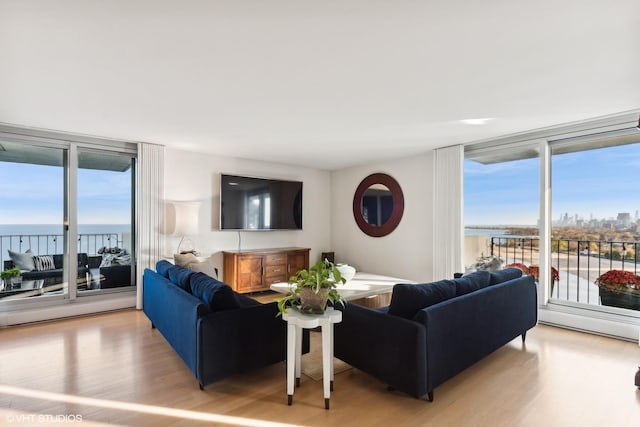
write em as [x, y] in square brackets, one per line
[107, 260]
[115, 258]
[122, 258]
[472, 282]
[504, 275]
[180, 276]
[407, 299]
[184, 260]
[23, 261]
[162, 268]
[43, 263]
[217, 295]
[204, 267]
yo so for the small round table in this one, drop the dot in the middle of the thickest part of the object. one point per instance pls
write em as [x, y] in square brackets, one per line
[295, 322]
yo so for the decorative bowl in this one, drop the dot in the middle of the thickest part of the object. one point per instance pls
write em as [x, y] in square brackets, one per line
[346, 271]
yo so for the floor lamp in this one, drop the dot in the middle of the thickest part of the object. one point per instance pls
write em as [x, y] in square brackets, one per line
[187, 214]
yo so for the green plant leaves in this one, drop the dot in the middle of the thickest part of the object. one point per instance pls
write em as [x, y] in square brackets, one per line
[321, 275]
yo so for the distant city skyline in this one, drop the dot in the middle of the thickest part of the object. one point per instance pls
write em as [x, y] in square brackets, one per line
[625, 219]
[599, 182]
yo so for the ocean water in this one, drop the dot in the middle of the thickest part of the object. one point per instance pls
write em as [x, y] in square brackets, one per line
[36, 229]
[484, 232]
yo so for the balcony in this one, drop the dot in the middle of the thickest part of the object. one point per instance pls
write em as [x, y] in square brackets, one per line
[579, 262]
[91, 274]
[50, 244]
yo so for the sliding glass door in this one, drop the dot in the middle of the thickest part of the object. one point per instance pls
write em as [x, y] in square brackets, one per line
[32, 231]
[67, 220]
[581, 240]
[105, 219]
[595, 219]
[501, 207]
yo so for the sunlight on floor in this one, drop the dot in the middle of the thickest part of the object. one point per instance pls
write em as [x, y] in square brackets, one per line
[12, 417]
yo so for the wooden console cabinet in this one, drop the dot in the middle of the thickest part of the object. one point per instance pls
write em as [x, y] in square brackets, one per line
[256, 269]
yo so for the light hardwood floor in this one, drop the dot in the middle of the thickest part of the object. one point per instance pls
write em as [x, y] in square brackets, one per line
[113, 369]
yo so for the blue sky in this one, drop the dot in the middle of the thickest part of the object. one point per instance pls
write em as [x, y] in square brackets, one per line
[33, 194]
[599, 182]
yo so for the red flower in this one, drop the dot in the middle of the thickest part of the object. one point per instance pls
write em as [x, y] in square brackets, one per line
[524, 268]
[534, 270]
[618, 281]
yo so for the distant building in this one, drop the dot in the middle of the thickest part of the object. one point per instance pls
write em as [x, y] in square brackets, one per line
[624, 219]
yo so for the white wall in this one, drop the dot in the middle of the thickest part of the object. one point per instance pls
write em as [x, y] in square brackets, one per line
[193, 176]
[407, 251]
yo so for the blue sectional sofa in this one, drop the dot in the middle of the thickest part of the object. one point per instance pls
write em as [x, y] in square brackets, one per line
[431, 332]
[216, 331]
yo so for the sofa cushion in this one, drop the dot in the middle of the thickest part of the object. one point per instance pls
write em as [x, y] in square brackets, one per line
[180, 276]
[504, 275]
[23, 261]
[162, 268]
[407, 299]
[472, 282]
[216, 295]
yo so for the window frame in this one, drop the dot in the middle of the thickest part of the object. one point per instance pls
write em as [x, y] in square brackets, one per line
[564, 313]
[71, 144]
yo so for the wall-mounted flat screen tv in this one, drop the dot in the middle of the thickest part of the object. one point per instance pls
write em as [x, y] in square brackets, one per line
[248, 203]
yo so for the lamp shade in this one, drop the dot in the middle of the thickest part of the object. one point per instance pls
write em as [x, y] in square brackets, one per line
[187, 214]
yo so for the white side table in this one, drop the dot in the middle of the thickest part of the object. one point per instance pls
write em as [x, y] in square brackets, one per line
[296, 321]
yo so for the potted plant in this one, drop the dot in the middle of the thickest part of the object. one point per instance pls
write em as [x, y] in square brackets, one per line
[311, 289]
[619, 288]
[10, 276]
[534, 271]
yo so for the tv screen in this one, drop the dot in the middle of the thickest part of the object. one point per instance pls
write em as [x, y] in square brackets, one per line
[248, 203]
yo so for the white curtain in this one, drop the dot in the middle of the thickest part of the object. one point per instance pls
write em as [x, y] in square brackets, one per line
[448, 212]
[150, 209]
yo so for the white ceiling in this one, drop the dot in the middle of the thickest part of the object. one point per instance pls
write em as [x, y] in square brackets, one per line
[326, 84]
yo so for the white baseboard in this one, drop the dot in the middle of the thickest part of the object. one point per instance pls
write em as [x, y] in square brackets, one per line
[79, 307]
[607, 327]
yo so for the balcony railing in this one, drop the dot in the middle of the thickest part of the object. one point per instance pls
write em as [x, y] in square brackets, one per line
[51, 244]
[579, 262]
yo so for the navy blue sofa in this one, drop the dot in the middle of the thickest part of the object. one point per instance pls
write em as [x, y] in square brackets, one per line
[216, 332]
[431, 332]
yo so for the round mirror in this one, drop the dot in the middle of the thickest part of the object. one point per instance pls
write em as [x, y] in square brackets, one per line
[378, 205]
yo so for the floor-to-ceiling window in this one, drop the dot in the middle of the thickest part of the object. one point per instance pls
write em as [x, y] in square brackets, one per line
[501, 207]
[67, 223]
[105, 218]
[32, 232]
[584, 228]
[595, 219]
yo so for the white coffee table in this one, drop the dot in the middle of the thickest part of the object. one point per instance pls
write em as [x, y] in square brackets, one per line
[362, 285]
